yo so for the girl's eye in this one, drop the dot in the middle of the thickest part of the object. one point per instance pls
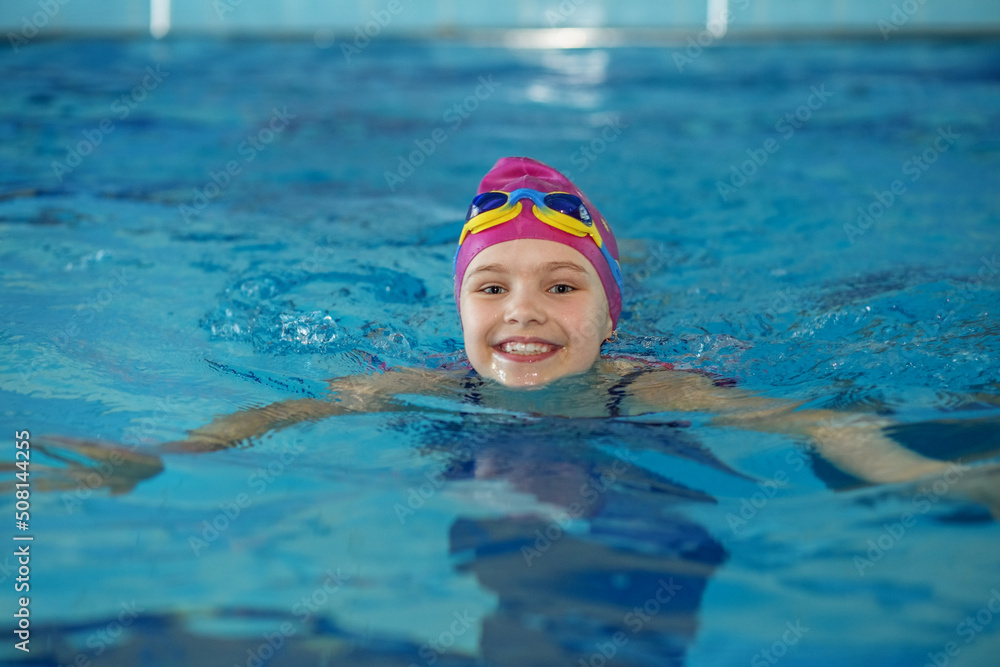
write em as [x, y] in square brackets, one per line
[561, 289]
[492, 289]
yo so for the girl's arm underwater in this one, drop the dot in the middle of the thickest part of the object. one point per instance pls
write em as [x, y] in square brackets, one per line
[351, 394]
[855, 443]
[93, 463]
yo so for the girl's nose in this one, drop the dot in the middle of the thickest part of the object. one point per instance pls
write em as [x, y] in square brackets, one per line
[524, 307]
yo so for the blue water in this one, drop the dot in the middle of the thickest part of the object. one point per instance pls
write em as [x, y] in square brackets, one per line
[139, 301]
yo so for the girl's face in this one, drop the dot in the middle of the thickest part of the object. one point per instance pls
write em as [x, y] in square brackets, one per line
[533, 311]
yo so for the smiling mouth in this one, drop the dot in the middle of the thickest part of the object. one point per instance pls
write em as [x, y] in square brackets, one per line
[525, 349]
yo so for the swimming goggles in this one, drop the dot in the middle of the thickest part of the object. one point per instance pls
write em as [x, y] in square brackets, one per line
[562, 210]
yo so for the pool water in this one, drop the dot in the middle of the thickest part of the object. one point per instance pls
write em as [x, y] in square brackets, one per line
[195, 226]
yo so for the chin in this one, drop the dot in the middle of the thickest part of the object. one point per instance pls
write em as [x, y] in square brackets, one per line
[526, 379]
[513, 378]
[525, 383]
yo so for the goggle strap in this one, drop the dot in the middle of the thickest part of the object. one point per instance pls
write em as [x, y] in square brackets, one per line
[616, 271]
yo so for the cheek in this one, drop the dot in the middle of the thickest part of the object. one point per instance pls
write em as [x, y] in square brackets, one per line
[466, 314]
[593, 328]
[469, 330]
[475, 325]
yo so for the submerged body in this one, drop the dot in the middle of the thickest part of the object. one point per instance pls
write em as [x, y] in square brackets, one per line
[855, 443]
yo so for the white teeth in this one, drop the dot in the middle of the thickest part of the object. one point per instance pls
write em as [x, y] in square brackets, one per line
[525, 348]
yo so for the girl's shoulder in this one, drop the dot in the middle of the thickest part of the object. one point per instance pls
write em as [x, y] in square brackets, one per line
[639, 366]
[626, 365]
[654, 386]
[397, 380]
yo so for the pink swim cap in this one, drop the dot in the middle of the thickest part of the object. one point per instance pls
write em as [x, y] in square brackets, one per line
[511, 173]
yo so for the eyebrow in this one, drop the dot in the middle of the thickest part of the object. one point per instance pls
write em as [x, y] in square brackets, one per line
[572, 266]
[544, 268]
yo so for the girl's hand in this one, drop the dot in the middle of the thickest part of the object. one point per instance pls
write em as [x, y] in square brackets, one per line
[981, 485]
[91, 464]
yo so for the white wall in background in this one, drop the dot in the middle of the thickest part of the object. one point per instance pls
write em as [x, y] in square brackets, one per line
[20, 17]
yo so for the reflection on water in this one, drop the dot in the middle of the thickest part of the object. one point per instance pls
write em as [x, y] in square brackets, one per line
[627, 584]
